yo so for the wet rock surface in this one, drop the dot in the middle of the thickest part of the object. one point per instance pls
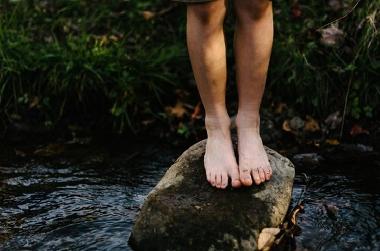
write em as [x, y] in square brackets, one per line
[183, 212]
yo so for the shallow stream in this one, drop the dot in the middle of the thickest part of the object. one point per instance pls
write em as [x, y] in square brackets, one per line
[88, 199]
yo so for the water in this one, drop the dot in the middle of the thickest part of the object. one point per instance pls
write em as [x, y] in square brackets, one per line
[89, 200]
[342, 208]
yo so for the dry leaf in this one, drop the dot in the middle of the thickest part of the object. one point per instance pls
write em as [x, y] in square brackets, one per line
[357, 129]
[266, 238]
[114, 38]
[333, 120]
[311, 125]
[333, 142]
[148, 15]
[286, 126]
[197, 111]
[294, 214]
[177, 111]
[280, 108]
[50, 150]
[296, 10]
[34, 102]
[332, 36]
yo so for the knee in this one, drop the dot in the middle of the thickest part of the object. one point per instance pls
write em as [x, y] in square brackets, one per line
[207, 14]
[252, 10]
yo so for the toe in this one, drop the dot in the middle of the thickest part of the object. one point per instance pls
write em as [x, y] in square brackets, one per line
[262, 174]
[245, 177]
[256, 176]
[219, 180]
[224, 180]
[235, 180]
[268, 172]
[213, 179]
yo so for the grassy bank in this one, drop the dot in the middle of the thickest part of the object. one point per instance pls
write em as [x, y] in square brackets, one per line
[123, 65]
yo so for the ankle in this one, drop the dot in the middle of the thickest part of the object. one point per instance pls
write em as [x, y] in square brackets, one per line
[217, 124]
[249, 121]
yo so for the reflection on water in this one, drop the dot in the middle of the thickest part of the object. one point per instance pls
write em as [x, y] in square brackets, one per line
[342, 210]
[88, 205]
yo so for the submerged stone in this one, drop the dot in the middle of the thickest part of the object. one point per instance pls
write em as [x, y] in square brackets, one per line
[184, 212]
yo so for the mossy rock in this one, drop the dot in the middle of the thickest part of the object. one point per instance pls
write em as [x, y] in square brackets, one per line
[183, 212]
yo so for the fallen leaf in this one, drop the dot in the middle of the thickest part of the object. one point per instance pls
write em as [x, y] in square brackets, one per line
[357, 129]
[266, 238]
[34, 102]
[333, 120]
[114, 38]
[286, 126]
[331, 36]
[296, 10]
[280, 108]
[177, 111]
[333, 142]
[148, 15]
[50, 150]
[294, 214]
[197, 111]
[311, 125]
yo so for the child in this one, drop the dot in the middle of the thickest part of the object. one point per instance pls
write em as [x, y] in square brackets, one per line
[252, 48]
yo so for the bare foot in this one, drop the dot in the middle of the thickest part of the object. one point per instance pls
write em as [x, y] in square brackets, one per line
[219, 160]
[253, 160]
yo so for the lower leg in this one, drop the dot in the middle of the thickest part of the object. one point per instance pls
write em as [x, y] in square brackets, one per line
[207, 50]
[252, 45]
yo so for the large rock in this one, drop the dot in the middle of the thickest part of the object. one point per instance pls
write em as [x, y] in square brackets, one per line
[183, 212]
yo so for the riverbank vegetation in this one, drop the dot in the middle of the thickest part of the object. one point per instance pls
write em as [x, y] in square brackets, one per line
[122, 66]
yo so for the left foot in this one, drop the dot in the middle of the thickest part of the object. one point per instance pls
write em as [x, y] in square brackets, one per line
[253, 160]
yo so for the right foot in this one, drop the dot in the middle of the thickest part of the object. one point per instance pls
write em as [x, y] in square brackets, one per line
[219, 160]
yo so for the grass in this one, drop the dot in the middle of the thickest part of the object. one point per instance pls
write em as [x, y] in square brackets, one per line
[316, 78]
[104, 64]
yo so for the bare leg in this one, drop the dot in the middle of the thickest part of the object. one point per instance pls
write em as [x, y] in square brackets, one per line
[252, 46]
[207, 49]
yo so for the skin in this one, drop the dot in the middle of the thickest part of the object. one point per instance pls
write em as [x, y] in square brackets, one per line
[252, 47]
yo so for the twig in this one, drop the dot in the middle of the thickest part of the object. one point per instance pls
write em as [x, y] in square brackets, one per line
[341, 18]
[289, 225]
[167, 9]
[148, 15]
[345, 106]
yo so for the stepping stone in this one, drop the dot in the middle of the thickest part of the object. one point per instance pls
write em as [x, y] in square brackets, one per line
[184, 212]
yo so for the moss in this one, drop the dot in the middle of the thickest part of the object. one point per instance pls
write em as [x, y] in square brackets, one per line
[192, 215]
